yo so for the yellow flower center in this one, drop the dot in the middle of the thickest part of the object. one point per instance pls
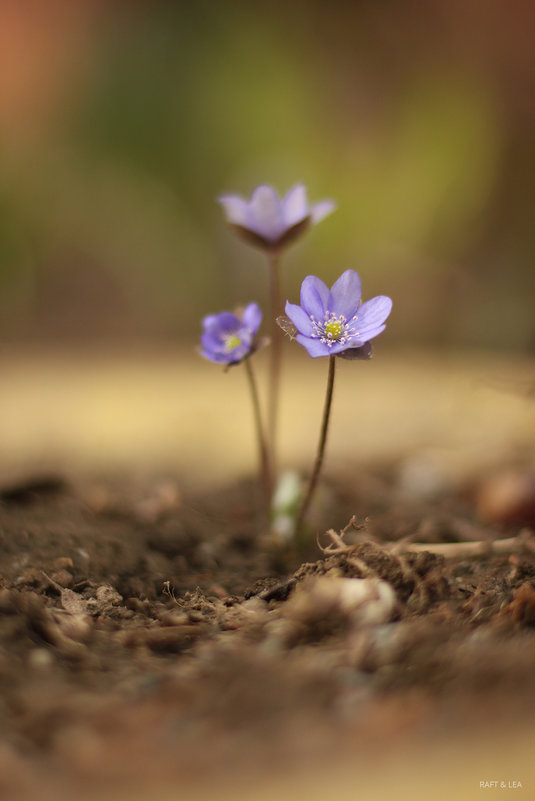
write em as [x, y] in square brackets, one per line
[232, 341]
[333, 329]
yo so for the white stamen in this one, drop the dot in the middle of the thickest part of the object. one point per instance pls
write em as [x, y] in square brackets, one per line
[333, 330]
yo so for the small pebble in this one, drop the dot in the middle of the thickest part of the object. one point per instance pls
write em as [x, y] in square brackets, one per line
[40, 658]
[508, 498]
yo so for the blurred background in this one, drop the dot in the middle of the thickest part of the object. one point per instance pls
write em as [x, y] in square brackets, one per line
[121, 122]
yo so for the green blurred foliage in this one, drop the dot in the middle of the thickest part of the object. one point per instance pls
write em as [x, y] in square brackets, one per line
[177, 104]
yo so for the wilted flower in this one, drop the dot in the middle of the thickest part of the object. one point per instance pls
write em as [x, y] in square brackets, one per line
[335, 322]
[228, 338]
[272, 223]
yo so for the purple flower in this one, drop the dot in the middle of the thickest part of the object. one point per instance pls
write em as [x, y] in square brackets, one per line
[271, 223]
[335, 322]
[229, 338]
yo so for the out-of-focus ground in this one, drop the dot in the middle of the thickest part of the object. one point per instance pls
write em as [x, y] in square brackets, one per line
[172, 409]
[113, 686]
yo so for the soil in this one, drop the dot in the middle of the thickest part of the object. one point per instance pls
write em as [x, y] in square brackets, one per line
[150, 639]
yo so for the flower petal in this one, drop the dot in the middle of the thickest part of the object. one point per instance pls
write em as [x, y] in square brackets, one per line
[238, 353]
[295, 206]
[252, 317]
[345, 295]
[320, 210]
[373, 313]
[265, 213]
[236, 209]
[225, 322]
[314, 297]
[210, 342]
[299, 318]
[209, 321]
[370, 333]
[340, 347]
[211, 355]
[314, 347]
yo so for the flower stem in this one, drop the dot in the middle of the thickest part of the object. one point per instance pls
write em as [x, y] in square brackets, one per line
[265, 469]
[303, 509]
[276, 352]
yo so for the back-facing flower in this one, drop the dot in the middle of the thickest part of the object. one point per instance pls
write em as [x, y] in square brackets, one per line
[271, 223]
[335, 322]
[229, 338]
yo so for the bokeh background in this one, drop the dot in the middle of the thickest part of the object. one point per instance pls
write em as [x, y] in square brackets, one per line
[121, 122]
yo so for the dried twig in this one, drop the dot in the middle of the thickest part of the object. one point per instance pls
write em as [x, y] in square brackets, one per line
[466, 550]
[525, 540]
[337, 544]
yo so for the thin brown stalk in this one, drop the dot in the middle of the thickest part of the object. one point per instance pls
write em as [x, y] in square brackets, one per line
[263, 452]
[276, 352]
[303, 510]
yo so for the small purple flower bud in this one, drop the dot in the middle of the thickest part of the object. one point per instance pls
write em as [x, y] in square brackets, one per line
[229, 338]
[271, 223]
[334, 322]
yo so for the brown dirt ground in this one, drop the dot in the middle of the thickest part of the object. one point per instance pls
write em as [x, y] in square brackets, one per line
[150, 640]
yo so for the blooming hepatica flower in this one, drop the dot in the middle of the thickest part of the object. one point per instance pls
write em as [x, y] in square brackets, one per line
[335, 322]
[272, 223]
[229, 338]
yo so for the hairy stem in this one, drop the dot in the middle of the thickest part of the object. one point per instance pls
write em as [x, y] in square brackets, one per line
[303, 509]
[276, 353]
[263, 453]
